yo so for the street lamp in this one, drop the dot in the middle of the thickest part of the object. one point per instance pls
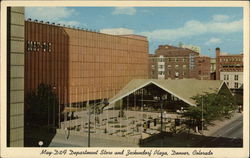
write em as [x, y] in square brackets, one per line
[202, 118]
[54, 90]
[159, 99]
[105, 102]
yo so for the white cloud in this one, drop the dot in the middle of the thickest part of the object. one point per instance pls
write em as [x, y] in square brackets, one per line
[71, 23]
[51, 14]
[124, 10]
[220, 17]
[117, 31]
[213, 41]
[48, 13]
[194, 28]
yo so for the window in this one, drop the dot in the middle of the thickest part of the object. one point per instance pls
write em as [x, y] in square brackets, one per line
[228, 84]
[236, 85]
[226, 77]
[176, 74]
[153, 67]
[160, 66]
[176, 59]
[184, 60]
[177, 66]
[169, 59]
[169, 66]
[184, 66]
[236, 77]
[199, 72]
[169, 72]
[183, 73]
[160, 73]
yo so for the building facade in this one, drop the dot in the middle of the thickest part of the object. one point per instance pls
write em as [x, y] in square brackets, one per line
[229, 68]
[202, 67]
[233, 79]
[192, 47]
[15, 77]
[82, 65]
[170, 62]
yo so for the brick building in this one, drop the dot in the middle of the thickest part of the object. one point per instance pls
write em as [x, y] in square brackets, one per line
[81, 65]
[170, 62]
[202, 67]
[229, 68]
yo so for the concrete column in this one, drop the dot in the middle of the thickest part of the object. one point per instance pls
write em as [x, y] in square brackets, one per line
[15, 85]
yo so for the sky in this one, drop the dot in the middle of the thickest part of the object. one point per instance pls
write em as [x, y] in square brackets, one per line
[206, 27]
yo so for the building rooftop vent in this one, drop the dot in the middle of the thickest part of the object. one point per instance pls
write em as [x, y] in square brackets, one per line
[41, 21]
[29, 19]
[36, 20]
[53, 23]
[47, 22]
[58, 24]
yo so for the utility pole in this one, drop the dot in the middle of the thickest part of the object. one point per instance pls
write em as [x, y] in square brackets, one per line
[202, 114]
[88, 125]
[161, 102]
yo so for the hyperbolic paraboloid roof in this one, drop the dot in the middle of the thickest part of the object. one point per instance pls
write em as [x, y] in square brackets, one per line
[183, 89]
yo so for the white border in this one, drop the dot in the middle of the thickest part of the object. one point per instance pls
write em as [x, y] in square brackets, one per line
[218, 152]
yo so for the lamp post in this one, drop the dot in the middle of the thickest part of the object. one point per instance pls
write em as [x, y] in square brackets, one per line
[159, 99]
[54, 90]
[105, 102]
[202, 119]
[161, 104]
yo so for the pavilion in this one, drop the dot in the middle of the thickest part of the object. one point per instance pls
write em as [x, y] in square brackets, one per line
[140, 93]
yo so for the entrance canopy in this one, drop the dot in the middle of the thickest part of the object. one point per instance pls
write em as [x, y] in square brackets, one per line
[183, 89]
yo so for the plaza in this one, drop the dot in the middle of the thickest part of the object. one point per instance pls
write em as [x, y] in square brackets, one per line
[135, 114]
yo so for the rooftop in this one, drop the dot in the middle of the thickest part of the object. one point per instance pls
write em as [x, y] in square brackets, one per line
[183, 89]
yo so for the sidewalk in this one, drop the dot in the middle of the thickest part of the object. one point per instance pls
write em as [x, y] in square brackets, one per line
[211, 129]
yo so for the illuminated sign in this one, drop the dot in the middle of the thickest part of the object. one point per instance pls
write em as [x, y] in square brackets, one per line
[34, 46]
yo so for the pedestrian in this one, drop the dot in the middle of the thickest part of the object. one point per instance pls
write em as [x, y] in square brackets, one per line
[68, 130]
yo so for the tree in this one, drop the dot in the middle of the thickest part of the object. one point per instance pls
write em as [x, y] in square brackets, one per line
[42, 105]
[214, 106]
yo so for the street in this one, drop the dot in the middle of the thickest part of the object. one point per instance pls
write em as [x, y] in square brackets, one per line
[230, 135]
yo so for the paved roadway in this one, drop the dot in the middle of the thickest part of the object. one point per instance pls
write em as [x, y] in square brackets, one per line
[230, 135]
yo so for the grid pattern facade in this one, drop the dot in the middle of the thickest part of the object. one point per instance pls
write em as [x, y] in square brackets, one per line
[171, 62]
[46, 57]
[84, 65]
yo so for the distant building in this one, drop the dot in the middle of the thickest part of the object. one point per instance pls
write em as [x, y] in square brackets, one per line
[170, 62]
[229, 68]
[192, 47]
[213, 68]
[202, 67]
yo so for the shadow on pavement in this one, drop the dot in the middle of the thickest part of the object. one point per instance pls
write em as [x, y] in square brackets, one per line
[167, 139]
